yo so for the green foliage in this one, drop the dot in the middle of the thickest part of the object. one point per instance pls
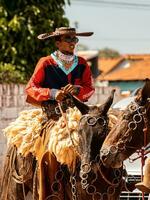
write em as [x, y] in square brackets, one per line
[21, 21]
[108, 53]
[9, 74]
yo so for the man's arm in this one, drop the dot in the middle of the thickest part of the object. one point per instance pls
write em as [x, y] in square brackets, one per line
[34, 86]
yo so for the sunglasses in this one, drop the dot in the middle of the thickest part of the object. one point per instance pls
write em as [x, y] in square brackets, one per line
[70, 39]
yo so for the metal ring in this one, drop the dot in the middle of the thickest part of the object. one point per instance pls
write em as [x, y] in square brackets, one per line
[142, 110]
[137, 118]
[116, 179]
[59, 175]
[133, 107]
[56, 184]
[86, 168]
[73, 189]
[113, 149]
[85, 186]
[83, 176]
[74, 197]
[91, 123]
[132, 125]
[57, 110]
[104, 152]
[111, 190]
[104, 121]
[72, 180]
[117, 172]
[84, 182]
[91, 187]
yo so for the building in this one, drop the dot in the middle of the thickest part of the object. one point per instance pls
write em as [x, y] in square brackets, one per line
[127, 72]
[92, 59]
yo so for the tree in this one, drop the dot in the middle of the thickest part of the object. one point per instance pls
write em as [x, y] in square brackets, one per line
[20, 23]
[108, 53]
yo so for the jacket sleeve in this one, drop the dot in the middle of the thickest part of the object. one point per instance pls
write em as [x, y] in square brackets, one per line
[34, 87]
[86, 87]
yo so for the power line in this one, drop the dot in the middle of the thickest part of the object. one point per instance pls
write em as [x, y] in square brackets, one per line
[114, 2]
[125, 39]
[123, 4]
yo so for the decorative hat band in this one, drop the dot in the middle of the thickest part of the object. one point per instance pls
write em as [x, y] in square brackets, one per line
[63, 31]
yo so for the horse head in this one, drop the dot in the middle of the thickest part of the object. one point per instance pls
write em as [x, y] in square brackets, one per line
[93, 127]
[131, 131]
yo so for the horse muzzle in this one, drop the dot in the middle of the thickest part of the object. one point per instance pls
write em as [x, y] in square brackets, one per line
[110, 157]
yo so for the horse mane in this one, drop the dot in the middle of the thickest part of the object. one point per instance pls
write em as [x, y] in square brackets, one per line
[113, 115]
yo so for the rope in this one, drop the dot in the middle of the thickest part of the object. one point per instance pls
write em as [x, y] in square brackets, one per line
[11, 163]
[66, 122]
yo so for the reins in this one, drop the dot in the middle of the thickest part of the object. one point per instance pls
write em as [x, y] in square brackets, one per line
[132, 126]
[66, 122]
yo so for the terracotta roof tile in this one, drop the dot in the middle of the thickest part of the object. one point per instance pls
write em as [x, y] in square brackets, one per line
[138, 70]
[106, 64]
[137, 56]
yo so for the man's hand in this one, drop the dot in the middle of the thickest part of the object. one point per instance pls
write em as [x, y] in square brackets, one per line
[70, 89]
[60, 95]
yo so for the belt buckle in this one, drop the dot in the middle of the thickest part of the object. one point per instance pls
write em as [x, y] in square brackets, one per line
[57, 110]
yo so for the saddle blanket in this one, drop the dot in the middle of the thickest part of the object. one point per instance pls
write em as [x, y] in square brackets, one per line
[62, 136]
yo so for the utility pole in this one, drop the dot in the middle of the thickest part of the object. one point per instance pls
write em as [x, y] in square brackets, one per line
[76, 24]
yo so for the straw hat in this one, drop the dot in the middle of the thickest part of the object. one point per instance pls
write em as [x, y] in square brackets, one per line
[144, 186]
[63, 31]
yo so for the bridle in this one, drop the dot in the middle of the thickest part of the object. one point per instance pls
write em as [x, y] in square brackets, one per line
[87, 168]
[92, 120]
[140, 114]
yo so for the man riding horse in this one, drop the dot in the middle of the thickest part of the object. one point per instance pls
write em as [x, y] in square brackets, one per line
[55, 76]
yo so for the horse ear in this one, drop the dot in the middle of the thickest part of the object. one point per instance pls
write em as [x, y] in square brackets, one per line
[105, 107]
[145, 91]
[83, 108]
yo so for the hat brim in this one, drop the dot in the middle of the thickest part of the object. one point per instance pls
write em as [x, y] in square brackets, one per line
[44, 36]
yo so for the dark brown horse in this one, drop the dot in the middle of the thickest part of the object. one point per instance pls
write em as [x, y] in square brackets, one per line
[91, 180]
[131, 132]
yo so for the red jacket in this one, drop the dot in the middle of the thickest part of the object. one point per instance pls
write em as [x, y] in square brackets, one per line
[48, 75]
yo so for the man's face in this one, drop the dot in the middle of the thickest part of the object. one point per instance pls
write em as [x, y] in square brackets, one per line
[67, 44]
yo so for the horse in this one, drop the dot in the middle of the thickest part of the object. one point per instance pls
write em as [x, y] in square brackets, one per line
[90, 180]
[132, 131]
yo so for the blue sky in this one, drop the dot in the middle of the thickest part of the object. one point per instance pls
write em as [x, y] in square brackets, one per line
[126, 30]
